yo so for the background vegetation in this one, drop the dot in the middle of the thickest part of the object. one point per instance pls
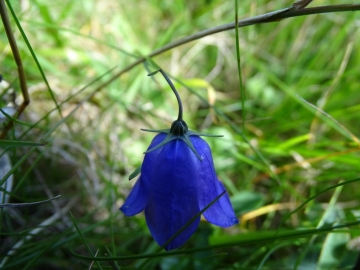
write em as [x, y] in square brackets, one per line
[299, 138]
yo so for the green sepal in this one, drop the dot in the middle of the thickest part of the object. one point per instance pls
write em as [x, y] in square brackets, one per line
[167, 139]
[135, 173]
[189, 143]
[156, 130]
[191, 132]
[185, 138]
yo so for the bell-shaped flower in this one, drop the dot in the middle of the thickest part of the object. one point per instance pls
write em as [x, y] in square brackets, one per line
[178, 181]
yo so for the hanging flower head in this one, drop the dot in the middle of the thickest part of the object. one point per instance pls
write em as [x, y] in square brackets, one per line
[177, 181]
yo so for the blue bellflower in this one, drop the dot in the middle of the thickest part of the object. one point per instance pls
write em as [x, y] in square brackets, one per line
[177, 181]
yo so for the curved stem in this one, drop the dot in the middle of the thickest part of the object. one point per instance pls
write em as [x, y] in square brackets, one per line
[180, 115]
[19, 64]
[259, 19]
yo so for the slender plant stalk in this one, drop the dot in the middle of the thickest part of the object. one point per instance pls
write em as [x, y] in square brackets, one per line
[300, 4]
[241, 86]
[19, 205]
[17, 57]
[180, 114]
[292, 11]
[34, 57]
[266, 240]
[83, 239]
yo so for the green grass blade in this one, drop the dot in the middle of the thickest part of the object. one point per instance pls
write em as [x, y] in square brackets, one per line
[238, 58]
[83, 239]
[8, 143]
[34, 56]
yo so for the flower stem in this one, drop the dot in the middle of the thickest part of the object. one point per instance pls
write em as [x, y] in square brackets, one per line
[180, 115]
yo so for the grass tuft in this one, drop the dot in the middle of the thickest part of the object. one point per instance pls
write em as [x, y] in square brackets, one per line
[290, 163]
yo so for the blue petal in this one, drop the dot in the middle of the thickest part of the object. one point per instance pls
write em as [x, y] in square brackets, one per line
[137, 198]
[136, 201]
[221, 213]
[172, 193]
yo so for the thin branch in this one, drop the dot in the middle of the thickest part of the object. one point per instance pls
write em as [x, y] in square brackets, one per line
[238, 58]
[17, 57]
[34, 57]
[19, 205]
[293, 11]
[172, 86]
[300, 4]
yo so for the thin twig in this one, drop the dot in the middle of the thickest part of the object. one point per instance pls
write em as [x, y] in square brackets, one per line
[34, 57]
[292, 11]
[19, 205]
[238, 58]
[300, 4]
[17, 57]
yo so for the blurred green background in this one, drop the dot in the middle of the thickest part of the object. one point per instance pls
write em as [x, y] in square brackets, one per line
[300, 134]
